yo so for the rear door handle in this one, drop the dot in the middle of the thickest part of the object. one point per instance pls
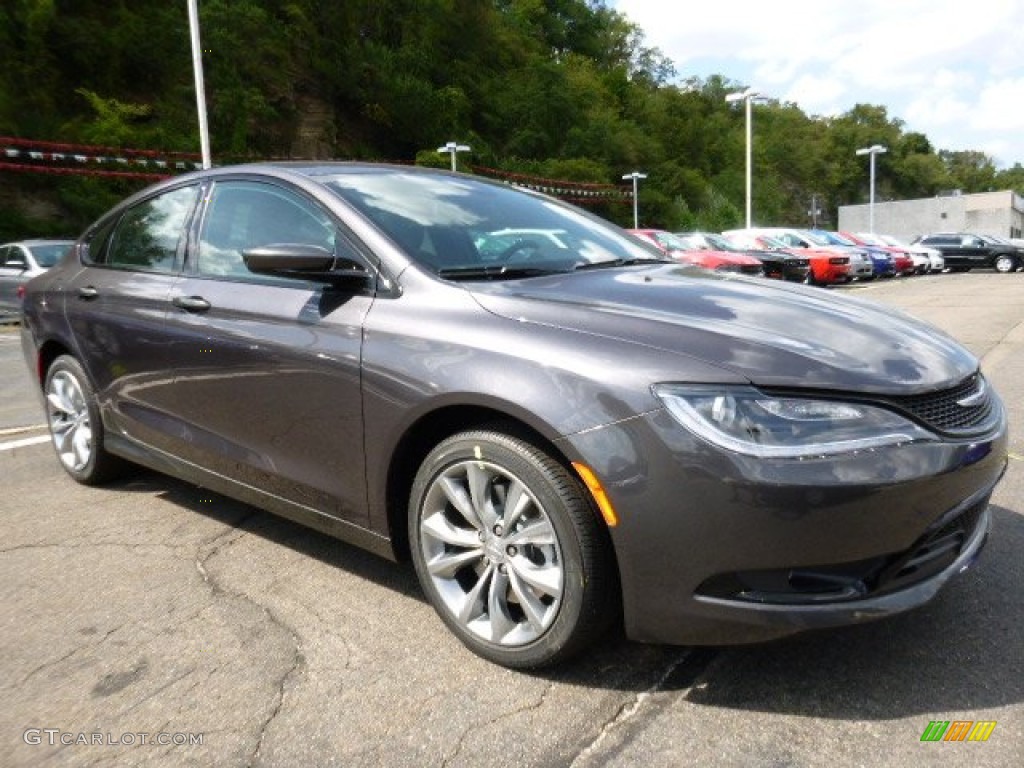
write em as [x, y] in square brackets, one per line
[87, 292]
[191, 303]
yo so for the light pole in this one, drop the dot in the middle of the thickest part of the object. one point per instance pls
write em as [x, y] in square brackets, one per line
[747, 97]
[197, 71]
[874, 149]
[452, 148]
[635, 176]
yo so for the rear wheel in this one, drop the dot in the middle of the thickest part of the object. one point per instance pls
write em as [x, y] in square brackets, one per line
[509, 550]
[75, 426]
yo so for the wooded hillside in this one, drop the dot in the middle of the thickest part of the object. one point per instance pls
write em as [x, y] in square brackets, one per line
[564, 89]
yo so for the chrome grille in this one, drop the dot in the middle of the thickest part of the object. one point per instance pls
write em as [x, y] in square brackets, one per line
[943, 410]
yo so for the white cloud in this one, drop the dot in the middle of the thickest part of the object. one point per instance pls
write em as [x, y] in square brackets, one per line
[816, 95]
[948, 68]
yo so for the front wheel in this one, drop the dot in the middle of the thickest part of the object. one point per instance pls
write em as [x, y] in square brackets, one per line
[509, 550]
[1005, 263]
[75, 426]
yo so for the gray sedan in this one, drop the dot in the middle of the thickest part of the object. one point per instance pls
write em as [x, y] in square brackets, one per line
[563, 430]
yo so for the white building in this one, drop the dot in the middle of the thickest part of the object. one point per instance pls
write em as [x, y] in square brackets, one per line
[986, 213]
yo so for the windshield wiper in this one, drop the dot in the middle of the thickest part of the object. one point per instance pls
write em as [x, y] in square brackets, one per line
[623, 262]
[493, 272]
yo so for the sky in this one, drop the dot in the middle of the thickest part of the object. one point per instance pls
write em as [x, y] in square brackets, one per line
[950, 69]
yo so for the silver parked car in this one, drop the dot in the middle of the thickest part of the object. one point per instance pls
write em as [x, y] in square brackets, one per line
[20, 262]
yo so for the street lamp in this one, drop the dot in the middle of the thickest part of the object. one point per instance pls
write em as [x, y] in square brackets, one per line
[197, 72]
[874, 149]
[452, 148]
[635, 176]
[747, 97]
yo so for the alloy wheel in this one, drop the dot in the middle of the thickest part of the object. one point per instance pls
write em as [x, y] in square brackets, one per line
[491, 553]
[69, 420]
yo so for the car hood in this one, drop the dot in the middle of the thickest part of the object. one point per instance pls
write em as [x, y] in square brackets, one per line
[771, 334]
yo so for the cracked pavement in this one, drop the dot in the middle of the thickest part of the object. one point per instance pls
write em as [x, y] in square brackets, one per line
[153, 606]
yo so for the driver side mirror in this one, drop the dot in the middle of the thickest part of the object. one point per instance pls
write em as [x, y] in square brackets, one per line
[312, 262]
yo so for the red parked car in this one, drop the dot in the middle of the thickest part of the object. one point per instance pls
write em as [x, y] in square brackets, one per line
[689, 253]
[827, 267]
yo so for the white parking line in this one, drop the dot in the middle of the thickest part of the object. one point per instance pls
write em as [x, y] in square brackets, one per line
[10, 446]
[21, 430]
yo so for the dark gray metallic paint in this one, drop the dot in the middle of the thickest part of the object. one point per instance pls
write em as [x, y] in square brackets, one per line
[573, 358]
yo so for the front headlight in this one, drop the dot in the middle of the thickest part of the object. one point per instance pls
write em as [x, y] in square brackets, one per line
[746, 421]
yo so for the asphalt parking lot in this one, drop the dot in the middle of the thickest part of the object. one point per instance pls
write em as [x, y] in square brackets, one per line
[152, 611]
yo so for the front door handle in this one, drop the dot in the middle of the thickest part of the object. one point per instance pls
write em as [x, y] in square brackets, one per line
[191, 303]
[87, 292]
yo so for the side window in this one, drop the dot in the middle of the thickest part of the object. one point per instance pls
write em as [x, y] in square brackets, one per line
[148, 235]
[95, 251]
[3, 255]
[247, 214]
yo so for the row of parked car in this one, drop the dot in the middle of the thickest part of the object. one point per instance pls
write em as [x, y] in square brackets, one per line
[815, 257]
[821, 257]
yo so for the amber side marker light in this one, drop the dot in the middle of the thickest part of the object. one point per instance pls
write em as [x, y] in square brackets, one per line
[600, 497]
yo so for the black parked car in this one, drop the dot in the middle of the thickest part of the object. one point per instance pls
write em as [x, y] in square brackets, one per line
[964, 251]
[559, 431]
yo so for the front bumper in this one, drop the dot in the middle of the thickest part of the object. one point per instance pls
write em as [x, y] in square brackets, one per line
[718, 549]
[831, 273]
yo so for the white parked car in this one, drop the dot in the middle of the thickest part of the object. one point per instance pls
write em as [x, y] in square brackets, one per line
[936, 261]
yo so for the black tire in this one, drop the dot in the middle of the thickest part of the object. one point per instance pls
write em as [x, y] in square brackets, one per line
[76, 429]
[1005, 263]
[518, 623]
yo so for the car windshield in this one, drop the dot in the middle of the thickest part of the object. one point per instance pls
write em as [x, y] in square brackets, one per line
[460, 227]
[816, 238]
[833, 238]
[48, 254]
[687, 242]
[719, 242]
[773, 242]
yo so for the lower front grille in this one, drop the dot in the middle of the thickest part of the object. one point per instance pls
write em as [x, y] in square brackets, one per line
[935, 551]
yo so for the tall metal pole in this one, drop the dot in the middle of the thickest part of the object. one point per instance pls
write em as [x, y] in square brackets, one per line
[748, 97]
[871, 196]
[197, 68]
[636, 205]
[453, 148]
[874, 149]
[750, 172]
[635, 176]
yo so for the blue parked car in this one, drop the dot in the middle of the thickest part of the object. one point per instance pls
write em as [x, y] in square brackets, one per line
[882, 262]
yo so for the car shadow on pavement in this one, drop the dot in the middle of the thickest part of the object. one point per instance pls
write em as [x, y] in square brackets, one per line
[963, 651]
[613, 663]
[278, 530]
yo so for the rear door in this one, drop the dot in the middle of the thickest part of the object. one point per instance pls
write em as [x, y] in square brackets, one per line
[117, 305]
